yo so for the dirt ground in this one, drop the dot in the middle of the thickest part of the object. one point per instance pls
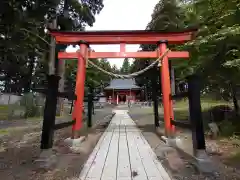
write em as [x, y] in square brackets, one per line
[179, 163]
[20, 148]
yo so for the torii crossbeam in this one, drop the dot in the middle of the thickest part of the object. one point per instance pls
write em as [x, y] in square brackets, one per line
[84, 39]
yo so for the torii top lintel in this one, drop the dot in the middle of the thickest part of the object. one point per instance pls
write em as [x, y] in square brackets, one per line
[117, 37]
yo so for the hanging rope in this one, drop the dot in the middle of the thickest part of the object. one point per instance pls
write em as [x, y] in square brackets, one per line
[133, 74]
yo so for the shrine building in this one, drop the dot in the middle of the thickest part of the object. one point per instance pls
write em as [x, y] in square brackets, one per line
[122, 90]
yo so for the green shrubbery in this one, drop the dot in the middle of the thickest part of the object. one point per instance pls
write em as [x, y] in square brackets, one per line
[220, 112]
[31, 104]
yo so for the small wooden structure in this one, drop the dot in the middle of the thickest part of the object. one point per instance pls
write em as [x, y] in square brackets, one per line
[122, 91]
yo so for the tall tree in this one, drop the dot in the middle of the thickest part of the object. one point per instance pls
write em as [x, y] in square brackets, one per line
[115, 69]
[167, 17]
[125, 69]
[23, 39]
[216, 47]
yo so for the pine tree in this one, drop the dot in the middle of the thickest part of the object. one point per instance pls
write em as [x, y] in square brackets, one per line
[125, 69]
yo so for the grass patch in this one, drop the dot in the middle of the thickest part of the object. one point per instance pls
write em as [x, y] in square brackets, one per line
[235, 157]
[4, 131]
[4, 111]
[181, 114]
[34, 118]
[181, 108]
[205, 103]
[3, 107]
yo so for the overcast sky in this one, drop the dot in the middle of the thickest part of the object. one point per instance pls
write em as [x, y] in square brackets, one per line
[121, 15]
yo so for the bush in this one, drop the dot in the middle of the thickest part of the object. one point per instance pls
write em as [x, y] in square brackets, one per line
[29, 102]
[15, 111]
[220, 113]
[227, 128]
[225, 118]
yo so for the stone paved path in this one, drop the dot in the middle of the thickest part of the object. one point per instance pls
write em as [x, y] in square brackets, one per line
[122, 153]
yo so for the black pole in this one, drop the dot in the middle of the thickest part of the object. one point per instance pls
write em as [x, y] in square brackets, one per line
[90, 106]
[93, 110]
[154, 97]
[50, 112]
[196, 113]
[71, 107]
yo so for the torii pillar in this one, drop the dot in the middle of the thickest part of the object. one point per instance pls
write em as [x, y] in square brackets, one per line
[77, 114]
[166, 90]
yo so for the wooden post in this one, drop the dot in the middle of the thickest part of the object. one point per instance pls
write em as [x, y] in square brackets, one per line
[117, 99]
[50, 112]
[166, 89]
[71, 107]
[61, 72]
[196, 113]
[172, 82]
[93, 108]
[155, 97]
[80, 81]
[50, 108]
[203, 161]
[113, 96]
[90, 107]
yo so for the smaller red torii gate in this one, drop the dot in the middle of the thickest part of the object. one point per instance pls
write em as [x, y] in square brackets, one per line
[84, 39]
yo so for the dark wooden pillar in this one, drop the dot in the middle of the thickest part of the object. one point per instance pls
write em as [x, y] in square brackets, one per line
[50, 112]
[196, 113]
[154, 96]
[90, 106]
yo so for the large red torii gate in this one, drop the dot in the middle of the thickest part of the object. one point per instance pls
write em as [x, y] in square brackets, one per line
[86, 38]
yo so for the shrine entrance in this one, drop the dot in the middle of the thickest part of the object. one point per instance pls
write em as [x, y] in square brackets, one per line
[122, 98]
[162, 55]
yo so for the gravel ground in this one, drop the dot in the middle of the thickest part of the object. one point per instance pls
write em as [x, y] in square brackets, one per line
[20, 149]
[179, 164]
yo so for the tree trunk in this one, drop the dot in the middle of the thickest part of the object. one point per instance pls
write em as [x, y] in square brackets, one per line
[146, 92]
[29, 75]
[51, 62]
[7, 84]
[56, 69]
[61, 73]
[234, 98]
[7, 78]
[155, 96]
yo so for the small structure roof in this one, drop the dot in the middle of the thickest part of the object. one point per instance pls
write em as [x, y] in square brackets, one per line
[121, 84]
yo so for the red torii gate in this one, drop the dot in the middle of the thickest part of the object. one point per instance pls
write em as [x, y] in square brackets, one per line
[84, 39]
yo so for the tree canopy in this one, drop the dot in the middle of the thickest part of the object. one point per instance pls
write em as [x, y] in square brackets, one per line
[125, 69]
[215, 49]
[24, 43]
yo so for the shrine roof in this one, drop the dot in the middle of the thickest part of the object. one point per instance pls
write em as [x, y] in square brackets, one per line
[122, 32]
[122, 84]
